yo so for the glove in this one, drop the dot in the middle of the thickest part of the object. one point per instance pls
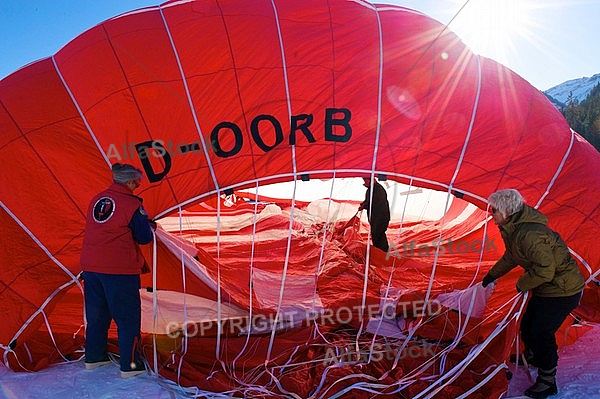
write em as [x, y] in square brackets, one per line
[487, 280]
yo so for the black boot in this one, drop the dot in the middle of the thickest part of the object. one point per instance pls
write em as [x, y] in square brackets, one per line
[545, 385]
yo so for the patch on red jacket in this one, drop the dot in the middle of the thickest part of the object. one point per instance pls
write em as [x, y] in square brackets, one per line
[104, 208]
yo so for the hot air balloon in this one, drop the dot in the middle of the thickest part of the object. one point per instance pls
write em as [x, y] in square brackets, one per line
[261, 295]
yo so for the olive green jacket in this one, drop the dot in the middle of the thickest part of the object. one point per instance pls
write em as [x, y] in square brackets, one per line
[550, 271]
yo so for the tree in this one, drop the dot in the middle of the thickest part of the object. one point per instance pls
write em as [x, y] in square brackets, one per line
[584, 117]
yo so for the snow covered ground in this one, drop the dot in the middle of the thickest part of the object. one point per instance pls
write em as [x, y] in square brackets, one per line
[578, 378]
[578, 370]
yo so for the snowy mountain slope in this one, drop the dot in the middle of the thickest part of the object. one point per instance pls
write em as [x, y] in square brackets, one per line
[578, 87]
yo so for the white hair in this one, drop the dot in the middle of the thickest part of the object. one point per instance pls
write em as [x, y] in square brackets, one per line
[507, 202]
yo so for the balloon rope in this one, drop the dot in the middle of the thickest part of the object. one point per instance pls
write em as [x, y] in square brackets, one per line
[251, 284]
[154, 302]
[80, 112]
[185, 338]
[460, 367]
[295, 179]
[558, 169]
[372, 172]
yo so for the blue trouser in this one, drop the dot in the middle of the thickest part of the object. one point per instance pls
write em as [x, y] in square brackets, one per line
[116, 297]
[541, 320]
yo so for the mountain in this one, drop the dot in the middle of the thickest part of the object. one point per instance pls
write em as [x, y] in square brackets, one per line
[575, 89]
[579, 101]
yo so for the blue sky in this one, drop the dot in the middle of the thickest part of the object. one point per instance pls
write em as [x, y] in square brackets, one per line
[545, 41]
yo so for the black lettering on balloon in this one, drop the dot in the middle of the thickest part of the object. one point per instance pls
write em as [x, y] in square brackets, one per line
[331, 121]
[301, 122]
[141, 149]
[254, 130]
[214, 139]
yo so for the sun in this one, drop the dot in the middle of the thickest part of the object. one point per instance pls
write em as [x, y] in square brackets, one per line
[493, 27]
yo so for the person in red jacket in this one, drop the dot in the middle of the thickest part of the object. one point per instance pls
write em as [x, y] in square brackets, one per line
[112, 262]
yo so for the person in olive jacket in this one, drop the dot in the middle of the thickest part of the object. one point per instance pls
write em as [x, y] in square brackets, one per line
[551, 274]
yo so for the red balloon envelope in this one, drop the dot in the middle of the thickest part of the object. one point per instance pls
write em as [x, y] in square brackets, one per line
[210, 97]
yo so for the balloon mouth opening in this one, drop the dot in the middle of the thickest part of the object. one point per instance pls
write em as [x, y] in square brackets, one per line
[407, 202]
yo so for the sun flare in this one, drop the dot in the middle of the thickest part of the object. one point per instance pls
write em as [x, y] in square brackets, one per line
[491, 27]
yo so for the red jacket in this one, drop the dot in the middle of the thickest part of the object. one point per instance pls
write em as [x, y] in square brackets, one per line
[108, 244]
